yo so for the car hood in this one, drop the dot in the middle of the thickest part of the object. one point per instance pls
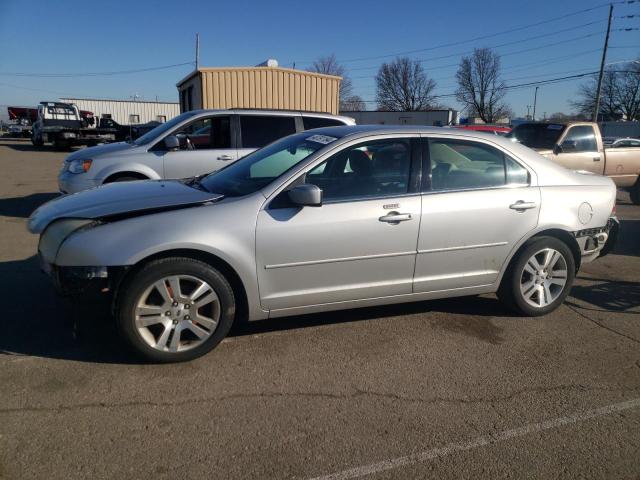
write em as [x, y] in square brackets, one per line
[93, 152]
[120, 199]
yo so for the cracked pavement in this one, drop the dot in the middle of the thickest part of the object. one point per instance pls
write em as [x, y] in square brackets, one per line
[308, 396]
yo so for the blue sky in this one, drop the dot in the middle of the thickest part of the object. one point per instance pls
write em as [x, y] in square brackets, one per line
[83, 36]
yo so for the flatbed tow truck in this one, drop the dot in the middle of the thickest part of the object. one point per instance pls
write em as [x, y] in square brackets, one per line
[62, 125]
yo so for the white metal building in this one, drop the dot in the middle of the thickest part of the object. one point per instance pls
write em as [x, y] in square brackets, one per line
[430, 117]
[127, 112]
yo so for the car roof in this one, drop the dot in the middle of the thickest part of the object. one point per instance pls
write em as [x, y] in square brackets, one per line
[258, 111]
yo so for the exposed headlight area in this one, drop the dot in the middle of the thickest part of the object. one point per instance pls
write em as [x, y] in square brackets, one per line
[79, 166]
[58, 232]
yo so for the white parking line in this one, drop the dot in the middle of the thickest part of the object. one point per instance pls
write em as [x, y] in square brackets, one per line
[398, 462]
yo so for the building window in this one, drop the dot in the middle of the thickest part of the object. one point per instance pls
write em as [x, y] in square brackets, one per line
[161, 118]
[134, 119]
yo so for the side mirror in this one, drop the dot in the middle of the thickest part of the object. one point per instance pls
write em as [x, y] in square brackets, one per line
[172, 143]
[568, 146]
[306, 195]
[557, 149]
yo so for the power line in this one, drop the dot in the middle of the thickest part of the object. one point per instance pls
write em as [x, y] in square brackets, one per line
[553, 44]
[93, 74]
[520, 85]
[482, 37]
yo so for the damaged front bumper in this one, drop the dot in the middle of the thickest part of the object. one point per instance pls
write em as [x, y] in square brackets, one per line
[85, 282]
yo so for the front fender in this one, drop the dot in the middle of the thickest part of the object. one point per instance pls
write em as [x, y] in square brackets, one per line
[213, 229]
[125, 167]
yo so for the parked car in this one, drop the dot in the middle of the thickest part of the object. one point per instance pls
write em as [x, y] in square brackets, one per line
[334, 218]
[194, 143]
[495, 129]
[579, 146]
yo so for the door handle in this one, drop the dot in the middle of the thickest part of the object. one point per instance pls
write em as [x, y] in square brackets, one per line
[395, 217]
[225, 157]
[596, 159]
[521, 205]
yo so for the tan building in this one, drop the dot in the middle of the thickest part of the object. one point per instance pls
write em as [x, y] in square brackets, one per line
[268, 87]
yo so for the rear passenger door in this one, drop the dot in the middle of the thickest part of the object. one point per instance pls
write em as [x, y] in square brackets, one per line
[477, 203]
[256, 131]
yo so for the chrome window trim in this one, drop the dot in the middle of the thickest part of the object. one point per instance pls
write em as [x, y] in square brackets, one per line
[321, 156]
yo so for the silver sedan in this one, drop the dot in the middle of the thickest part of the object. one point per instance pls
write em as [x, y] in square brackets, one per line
[327, 219]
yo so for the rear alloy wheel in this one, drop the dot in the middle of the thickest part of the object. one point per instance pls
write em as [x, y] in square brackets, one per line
[541, 277]
[176, 309]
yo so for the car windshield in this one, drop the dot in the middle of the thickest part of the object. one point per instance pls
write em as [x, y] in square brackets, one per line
[537, 135]
[260, 168]
[162, 128]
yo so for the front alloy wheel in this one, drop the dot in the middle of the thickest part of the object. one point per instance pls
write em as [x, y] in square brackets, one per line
[175, 309]
[177, 313]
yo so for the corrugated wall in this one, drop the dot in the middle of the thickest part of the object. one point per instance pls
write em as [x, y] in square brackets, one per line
[120, 111]
[269, 88]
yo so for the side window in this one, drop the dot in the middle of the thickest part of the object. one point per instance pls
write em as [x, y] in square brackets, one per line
[258, 130]
[462, 164]
[580, 138]
[372, 169]
[318, 122]
[206, 133]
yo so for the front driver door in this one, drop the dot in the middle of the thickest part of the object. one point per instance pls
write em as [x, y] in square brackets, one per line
[580, 150]
[361, 243]
[205, 146]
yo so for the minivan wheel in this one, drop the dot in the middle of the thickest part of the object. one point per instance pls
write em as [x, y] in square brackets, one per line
[175, 309]
[540, 278]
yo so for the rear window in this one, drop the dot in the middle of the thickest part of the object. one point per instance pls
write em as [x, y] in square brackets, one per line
[260, 130]
[537, 135]
[319, 122]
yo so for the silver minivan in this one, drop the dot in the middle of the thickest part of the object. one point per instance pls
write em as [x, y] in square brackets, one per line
[191, 144]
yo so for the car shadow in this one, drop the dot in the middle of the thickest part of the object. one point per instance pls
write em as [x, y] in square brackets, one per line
[39, 323]
[36, 322]
[29, 147]
[608, 295]
[22, 207]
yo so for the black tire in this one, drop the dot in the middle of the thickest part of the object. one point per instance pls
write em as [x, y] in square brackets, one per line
[134, 288]
[635, 193]
[510, 293]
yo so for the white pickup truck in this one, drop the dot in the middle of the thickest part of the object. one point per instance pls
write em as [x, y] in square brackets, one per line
[579, 146]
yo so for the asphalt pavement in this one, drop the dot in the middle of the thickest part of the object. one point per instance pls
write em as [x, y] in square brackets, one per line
[456, 388]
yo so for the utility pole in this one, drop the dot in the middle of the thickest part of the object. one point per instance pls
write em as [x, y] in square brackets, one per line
[535, 101]
[528, 111]
[197, 51]
[604, 56]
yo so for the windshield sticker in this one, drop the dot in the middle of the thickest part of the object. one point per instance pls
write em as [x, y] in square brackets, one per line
[323, 139]
[554, 127]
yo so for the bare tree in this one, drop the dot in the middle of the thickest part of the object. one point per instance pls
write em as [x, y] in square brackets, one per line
[480, 86]
[354, 103]
[620, 95]
[329, 66]
[402, 85]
